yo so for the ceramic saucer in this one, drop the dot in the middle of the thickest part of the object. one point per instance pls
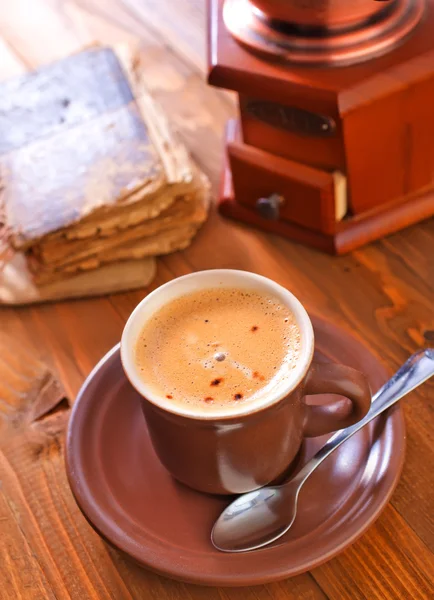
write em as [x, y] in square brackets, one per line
[129, 498]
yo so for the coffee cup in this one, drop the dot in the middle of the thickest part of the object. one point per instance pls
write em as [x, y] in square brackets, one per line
[252, 443]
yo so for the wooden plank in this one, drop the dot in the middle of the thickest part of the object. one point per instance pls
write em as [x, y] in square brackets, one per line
[291, 589]
[413, 248]
[38, 33]
[20, 574]
[108, 22]
[180, 24]
[10, 62]
[389, 561]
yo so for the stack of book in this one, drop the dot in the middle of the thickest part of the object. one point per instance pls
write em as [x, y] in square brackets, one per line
[91, 176]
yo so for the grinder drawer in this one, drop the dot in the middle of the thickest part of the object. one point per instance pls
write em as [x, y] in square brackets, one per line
[281, 189]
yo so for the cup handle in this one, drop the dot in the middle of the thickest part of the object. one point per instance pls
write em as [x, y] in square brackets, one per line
[330, 378]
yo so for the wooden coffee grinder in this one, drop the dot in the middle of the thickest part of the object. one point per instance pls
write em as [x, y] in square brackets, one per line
[334, 146]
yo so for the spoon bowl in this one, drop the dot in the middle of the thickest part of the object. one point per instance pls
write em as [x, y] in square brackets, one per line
[256, 516]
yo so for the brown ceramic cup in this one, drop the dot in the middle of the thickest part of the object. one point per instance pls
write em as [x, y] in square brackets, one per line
[254, 444]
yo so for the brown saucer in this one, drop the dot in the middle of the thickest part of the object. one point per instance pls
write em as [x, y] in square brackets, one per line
[129, 498]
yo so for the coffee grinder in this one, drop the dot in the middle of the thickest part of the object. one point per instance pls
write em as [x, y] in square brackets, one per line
[334, 146]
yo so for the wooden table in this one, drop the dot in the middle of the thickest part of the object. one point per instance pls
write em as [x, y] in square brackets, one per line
[382, 293]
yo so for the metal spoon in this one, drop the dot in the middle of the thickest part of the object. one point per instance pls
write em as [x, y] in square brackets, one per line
[260, 517]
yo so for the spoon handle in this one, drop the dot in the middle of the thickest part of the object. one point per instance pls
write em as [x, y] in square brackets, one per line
[417, 369]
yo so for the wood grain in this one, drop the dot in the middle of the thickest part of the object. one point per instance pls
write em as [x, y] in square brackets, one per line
[383, 294]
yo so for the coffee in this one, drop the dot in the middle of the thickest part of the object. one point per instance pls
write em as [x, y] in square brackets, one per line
[217, 348]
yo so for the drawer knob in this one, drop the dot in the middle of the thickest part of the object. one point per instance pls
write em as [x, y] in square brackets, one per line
[269, 207]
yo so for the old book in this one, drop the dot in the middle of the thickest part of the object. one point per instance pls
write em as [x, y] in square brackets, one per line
[171, 230]
[76, 146]
[90, 171]
[17, 286]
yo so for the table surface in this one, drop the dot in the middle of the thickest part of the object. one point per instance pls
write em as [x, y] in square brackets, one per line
[382, 293]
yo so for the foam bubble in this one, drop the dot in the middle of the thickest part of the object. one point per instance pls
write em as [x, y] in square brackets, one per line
[246, 370]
